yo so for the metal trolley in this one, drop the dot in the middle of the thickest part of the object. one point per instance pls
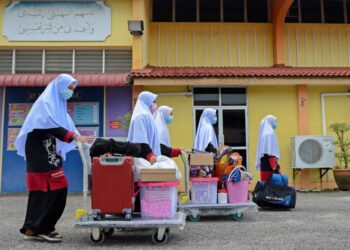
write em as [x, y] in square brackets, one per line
[195, 211]
[104, 225]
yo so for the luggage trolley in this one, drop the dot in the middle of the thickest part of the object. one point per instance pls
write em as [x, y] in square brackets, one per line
[195, 211]
[112, 209]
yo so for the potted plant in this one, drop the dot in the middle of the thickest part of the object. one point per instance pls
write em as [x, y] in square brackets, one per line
[342, 170]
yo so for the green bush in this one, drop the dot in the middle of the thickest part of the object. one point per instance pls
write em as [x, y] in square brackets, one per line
[342, 143]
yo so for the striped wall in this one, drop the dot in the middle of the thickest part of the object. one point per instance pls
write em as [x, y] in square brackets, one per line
[322, 45]
[210, 44]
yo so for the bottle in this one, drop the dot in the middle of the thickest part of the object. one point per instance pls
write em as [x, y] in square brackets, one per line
[222, 196]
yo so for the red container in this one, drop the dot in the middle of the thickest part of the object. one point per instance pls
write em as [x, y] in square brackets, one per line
[112, 184]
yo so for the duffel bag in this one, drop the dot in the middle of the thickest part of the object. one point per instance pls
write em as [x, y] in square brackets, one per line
[271, 195]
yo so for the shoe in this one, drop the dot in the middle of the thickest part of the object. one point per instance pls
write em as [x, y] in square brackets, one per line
[32, 237]
[56, 235]
[49, 238]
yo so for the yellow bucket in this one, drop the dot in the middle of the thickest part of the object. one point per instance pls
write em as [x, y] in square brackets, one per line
[79, 213]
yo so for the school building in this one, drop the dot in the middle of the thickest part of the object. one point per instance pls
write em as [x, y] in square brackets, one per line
[245, 58]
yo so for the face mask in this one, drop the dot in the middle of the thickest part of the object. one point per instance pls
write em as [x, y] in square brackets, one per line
[66, 94]
[169, 119]
[215, 119]
[154, 107]
[274, 125]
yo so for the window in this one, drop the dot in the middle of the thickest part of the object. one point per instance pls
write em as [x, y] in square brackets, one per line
[58, 60]
[293, 13]
[162, 10]
[257, 11]
[118, 61]
[209, 10]
[310, 11]
[233, 10]
[230, 103]
[347, 2]
[29, 61]
[91, 61]
[5, 61]
[206, 96]
[88, 61]
[333, 11]
[185, 11]
[233, 96]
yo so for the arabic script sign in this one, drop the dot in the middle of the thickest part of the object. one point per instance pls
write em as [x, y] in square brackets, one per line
[57, 21]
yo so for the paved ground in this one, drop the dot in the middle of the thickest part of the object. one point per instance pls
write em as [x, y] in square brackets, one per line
[320, 221]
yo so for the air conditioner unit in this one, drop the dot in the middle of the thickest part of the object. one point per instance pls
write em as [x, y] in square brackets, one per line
[313, 152]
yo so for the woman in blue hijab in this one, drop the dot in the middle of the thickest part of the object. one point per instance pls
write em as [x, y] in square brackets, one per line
[164, 116]
[206, 138]
[46, 136]
[142, 125]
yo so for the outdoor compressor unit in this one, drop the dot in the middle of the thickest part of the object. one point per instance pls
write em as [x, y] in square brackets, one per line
[313, 152]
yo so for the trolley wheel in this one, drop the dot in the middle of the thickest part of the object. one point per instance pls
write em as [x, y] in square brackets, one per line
[237, 217]
[98, 241]
[162, 241]
[195, 218]
[108, 231]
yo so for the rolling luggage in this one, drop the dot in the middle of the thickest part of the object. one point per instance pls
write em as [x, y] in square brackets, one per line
[112, 185]
[270, 194]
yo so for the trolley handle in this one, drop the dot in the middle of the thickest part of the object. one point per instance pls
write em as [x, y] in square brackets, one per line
[115, 160]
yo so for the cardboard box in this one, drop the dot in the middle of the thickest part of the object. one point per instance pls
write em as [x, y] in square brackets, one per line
[157, 175]
[202, 159]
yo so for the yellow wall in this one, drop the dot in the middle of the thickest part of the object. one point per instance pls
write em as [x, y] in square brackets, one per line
[210, 44]
[181, 132]
[120, 36]
[264, 100]
[337, 110]
[317, 45]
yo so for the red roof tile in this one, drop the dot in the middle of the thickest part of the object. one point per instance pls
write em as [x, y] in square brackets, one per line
[203, 72]
[44, 79]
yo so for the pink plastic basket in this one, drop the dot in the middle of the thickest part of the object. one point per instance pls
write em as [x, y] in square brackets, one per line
[158, 199]
[238, 191]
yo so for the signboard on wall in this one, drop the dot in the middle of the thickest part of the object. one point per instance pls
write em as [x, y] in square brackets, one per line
[84, 112]
[57, 21]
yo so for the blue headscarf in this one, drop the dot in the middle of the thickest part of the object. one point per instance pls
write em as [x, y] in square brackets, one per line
[49, 111]
[205, 131]
[142, 126]
[160, 118]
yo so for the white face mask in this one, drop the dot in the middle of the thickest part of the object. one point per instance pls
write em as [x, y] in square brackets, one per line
[66, 94]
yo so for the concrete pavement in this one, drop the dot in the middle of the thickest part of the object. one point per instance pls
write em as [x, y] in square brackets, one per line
[320, 221]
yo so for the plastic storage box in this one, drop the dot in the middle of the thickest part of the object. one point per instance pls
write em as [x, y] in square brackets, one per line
[204, 190]
[158, 199]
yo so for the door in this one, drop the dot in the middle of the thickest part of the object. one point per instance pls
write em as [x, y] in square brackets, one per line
[230, 103]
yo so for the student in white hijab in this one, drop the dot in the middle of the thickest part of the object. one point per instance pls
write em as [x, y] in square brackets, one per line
[163, 117]
[268, 152]
[142, 125]
[48, 133]
[206, 137]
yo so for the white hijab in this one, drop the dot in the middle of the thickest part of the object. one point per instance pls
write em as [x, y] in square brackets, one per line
[142, 126]
[160, 118]
[267, 141]
[205, 131]
[49, 111]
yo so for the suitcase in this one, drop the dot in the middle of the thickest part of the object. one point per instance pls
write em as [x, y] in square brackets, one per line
[112, 185]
